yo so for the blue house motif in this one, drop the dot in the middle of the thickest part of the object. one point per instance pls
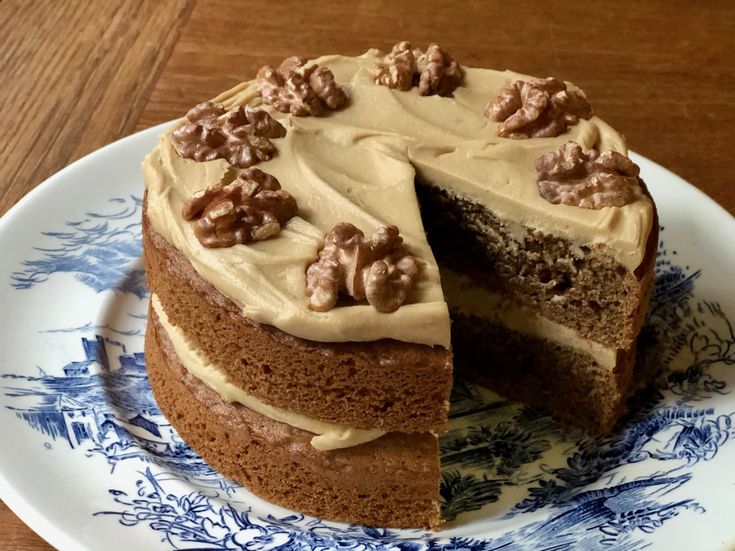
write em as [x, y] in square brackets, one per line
[95, 350]
[95, 356]
[147, 424]
[133, 363]
[105, 409]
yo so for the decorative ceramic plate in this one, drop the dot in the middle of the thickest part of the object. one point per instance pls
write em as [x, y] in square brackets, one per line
[89, 462]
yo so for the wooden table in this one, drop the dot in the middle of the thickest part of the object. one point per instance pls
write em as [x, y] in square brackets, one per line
[78, 75]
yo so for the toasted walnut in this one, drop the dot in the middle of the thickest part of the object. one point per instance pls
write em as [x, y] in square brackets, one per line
[378, 269]
[252, 208]
[439, 73]
[260, 121]
[537, 108]
[241, 136]
[433, 71]
[587, 179]
[398, 68]
[299, 88]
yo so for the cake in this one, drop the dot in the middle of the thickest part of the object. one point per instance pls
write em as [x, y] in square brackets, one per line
[327, 243]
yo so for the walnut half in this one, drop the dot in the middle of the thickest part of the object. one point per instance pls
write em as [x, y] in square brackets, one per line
[300, 88]
[242, 136]
[435, 72]
[538, 108]
[378, 269]
[252, 208]
[587, 179]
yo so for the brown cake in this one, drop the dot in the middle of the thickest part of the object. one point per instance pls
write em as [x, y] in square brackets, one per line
[299, 332]
[391, 481]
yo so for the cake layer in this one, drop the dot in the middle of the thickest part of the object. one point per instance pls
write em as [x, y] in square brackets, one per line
[386, 385]
[391, 482]
[568, 382]
[580, 287]
[328, 436]
[465, 296]
[357, 165]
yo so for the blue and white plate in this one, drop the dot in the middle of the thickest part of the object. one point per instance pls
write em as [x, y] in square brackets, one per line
[89, 462]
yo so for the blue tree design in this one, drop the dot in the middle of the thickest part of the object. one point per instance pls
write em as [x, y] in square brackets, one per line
[200, 521]
[99, 250]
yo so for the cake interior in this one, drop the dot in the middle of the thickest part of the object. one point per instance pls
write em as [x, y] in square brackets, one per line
[567, 382]
[569, 342]
[580, 287]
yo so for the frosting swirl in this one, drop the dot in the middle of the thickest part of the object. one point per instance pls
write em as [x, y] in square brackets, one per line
[358, 165]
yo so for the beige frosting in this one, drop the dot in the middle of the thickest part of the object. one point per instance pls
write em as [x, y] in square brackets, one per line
[358, 165]
[329, 436]
[461, 293]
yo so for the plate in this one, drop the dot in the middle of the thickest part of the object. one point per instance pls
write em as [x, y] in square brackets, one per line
[89, 462]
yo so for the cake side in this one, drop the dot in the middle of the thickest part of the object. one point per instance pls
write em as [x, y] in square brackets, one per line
[538, 318]
[392, 481]
[385, 384]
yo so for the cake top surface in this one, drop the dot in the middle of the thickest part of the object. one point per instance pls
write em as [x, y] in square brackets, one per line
[358, 165]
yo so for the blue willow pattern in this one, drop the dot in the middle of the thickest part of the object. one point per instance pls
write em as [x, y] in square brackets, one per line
[101, 405]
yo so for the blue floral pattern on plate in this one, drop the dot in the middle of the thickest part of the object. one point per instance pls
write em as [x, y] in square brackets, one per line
[99, 404]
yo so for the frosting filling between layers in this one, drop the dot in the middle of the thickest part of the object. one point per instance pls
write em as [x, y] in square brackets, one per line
[358, 165]
[468, 297]
[328, 435]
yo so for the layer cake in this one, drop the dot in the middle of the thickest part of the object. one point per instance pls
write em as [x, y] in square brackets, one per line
[323, 243]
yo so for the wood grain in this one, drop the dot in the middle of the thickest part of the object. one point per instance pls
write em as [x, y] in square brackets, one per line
[660, 72]
[77, 75]
[16, 536]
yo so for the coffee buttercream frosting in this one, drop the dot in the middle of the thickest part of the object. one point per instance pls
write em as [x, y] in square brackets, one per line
[358, 165]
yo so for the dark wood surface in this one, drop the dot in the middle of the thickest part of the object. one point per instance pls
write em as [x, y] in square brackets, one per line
[77, 75]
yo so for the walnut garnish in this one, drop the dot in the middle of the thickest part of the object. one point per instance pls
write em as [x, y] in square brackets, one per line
[433, 71]
[439, 73]
[240, 136]
[252, 208]
[398, 68]
[378, 269]
[587, 179]
[300, 88]
[236, 122]
[538, 108]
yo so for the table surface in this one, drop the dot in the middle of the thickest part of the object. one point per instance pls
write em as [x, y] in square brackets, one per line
[75, 79]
